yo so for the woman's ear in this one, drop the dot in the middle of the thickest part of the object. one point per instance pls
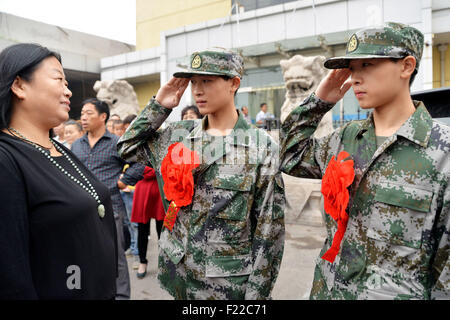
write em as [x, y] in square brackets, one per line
[408, 66]
[17, 88]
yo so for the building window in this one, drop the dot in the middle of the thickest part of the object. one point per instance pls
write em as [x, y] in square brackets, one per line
[252, 98]
[248, 5]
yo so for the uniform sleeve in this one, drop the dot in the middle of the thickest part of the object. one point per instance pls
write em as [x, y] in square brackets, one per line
[441, 264]
[268, 240]
[15, 271]
[145, 142]
[133, 174]
[141, 131]
[301, 154]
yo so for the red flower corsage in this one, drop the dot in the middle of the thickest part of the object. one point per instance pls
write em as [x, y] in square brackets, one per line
[176, 171]
[338, 177]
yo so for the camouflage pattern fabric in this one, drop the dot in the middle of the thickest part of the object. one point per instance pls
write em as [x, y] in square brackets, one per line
[392, 40]
[224, 62]
[396, 245]
[228, 244]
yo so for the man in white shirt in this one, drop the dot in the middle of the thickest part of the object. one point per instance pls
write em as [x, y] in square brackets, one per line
[261, 116]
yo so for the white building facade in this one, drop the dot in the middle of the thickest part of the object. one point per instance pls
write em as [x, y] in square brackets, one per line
[265, 36]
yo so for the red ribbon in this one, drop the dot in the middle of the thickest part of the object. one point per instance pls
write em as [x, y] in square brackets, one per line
[176, 171]
[338, 176]
[171, 215]
[331, 253]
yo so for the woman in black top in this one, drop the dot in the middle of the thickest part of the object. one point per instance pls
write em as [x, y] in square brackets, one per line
[57, 231]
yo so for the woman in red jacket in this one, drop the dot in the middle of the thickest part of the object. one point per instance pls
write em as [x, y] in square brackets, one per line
[147, 204]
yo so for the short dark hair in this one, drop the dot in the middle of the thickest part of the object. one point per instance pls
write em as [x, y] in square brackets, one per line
[19, 60]
[226, 78]
[117, 122]
[72, 122]
[413, 75]
[100, 106]
[194, 109]
[129, 119]
[262, 104]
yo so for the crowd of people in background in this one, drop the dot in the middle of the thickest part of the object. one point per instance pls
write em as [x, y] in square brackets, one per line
[71, 130]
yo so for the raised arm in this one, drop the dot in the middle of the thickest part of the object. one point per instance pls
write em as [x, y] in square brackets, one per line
[301, 154]
[144, 128]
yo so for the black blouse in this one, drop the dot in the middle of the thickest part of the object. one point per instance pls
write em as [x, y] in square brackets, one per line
[53, 243]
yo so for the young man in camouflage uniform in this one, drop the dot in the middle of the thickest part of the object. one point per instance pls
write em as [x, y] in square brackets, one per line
[396, 242]
[228, 243]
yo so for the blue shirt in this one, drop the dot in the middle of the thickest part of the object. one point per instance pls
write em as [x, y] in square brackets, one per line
[104, 162]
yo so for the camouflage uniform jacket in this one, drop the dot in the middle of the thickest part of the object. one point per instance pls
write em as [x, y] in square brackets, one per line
[396, 244]
[229, 242]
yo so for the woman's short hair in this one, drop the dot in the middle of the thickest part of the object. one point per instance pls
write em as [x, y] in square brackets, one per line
[117, 122]
[100, 106]
[72, 122]
[19, 60]
[194, 109]
[129, 119]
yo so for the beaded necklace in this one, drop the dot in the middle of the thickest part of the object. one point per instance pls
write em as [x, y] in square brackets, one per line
[89, 188]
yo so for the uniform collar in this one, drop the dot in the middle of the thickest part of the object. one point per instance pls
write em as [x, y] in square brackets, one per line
[241, 124]
[416, 129]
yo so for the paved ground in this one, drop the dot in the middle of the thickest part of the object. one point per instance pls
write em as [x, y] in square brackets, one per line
[301, 249]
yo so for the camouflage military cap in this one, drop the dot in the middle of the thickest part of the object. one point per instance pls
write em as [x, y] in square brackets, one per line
[214, 62]
[392, 40]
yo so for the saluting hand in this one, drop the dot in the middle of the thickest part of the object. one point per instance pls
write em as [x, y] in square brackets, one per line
[333, 87]
[169, 95]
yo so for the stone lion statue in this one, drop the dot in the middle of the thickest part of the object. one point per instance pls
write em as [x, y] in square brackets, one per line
[119, 95]
[302, 75]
